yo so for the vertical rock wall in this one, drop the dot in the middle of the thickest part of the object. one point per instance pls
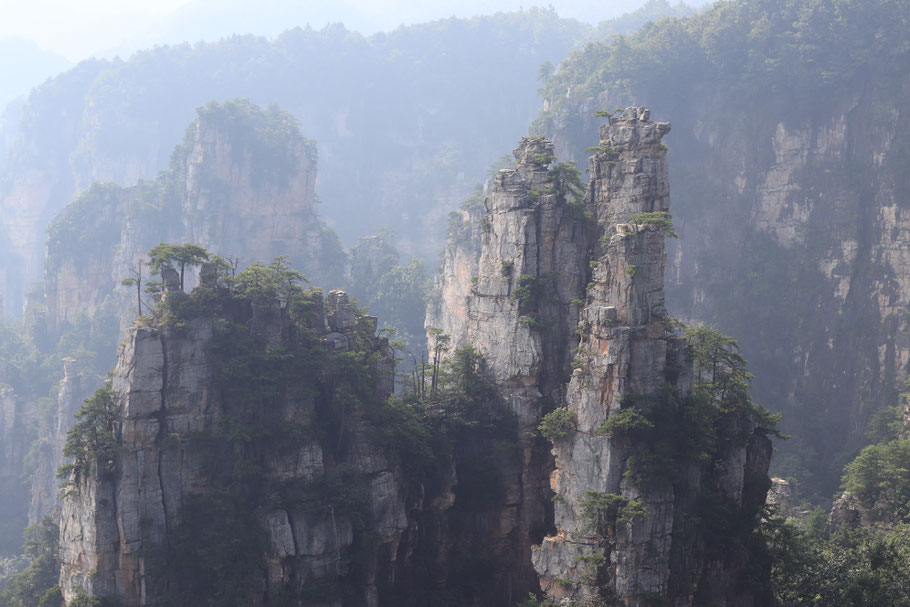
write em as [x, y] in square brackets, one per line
[624, 349]
[74, 388]
[513, 305]
[167, 394]
[527, 308]
[254, 201]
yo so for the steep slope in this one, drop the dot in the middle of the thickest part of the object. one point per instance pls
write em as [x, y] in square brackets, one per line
[787, 172]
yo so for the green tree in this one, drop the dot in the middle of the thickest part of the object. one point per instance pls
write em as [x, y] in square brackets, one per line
[166, 255]
[545, 71]
[37, 585]
[260, 283]
[137, 281]
[92, 439]
[720, 369]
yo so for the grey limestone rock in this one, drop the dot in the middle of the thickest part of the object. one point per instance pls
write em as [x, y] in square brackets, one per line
[521, 304]
[166, 392]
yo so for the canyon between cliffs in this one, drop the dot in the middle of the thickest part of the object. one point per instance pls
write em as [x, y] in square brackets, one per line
[257, 448]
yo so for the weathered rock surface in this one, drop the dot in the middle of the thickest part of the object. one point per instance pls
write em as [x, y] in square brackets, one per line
[512, 304]
[166, 393]
[526, 301]
[625, 351]
[793, 223]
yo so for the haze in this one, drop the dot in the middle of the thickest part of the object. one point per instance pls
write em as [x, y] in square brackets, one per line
[105, 27]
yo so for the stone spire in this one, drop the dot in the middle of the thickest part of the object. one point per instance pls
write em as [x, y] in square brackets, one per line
[625, 352]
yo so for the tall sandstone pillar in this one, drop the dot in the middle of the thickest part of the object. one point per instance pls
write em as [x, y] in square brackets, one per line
[557, 281]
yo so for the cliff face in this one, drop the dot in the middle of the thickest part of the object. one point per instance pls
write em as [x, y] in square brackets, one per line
[234, 185]
[626, 353]
[516, 313]
[792, 215]
[74, 388]
[447, 309]
[125, 529]
[523, 309]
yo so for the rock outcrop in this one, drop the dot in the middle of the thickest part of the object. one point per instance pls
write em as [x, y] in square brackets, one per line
[526, 303]
[625, 353]
[243, 181]
[794, 224]
[511, 302]
[454, 282]
[122, 525]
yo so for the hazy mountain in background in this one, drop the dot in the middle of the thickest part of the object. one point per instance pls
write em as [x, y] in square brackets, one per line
[23, 64]
[407, 122]
[211, 20]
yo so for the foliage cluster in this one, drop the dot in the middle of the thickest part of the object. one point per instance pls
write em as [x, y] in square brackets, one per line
[397, 294]
[270, 138]
[786, 51]
[879, 478]
[693, 429]
[92, 441]
[601, 512]
[557, 424]
[813, 565]
[461, 425]
[658, 219]
[528, 292]
[569, 188]
[90, 225]
[36, 586]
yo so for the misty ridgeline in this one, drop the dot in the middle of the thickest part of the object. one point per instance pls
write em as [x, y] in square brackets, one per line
[285, 322]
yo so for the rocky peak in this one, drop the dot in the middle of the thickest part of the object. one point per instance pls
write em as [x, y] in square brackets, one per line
[243, 181]
[633, 129]
[173, 401]
[624, 354]
[533, 154]
[526, 303]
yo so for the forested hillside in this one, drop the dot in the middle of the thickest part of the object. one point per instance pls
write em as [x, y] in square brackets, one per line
[788, 168]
